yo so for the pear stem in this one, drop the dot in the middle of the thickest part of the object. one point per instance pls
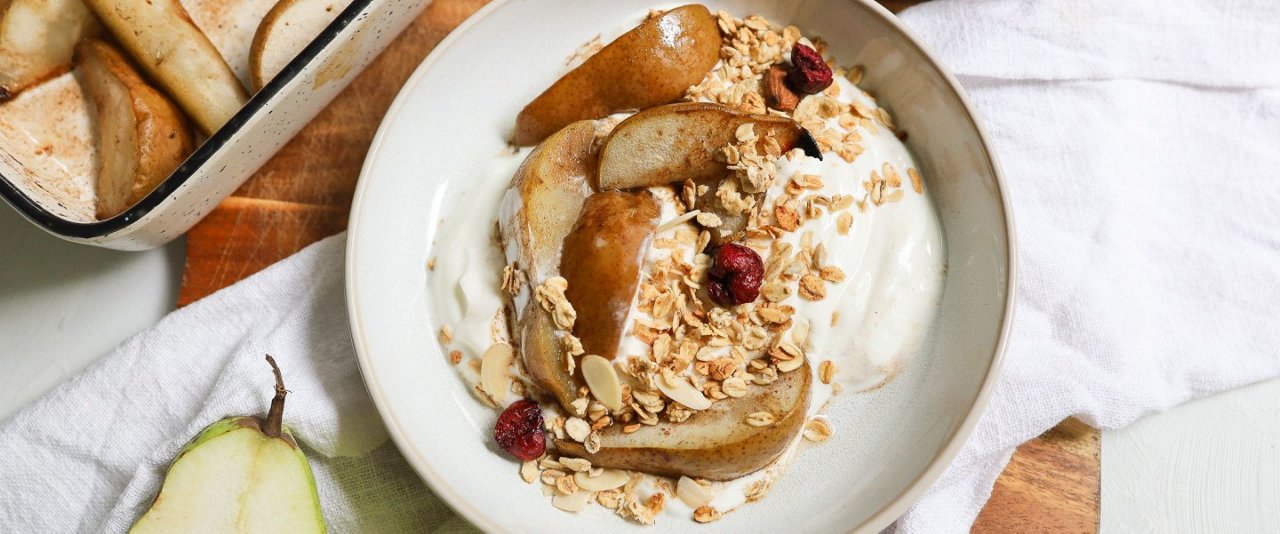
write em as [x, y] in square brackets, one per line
[275, 416]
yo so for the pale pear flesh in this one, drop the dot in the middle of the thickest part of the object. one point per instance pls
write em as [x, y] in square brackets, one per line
[652, 64]
[37, 39]
[714, 444]
[678, 142]
[285, 30]
[235, 478]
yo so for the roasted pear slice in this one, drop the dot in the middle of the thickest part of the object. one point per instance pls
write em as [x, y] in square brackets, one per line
[678, 142]
[37, 38]
[602, 258]
[652, 64]
[289, 27]
[538, 212]
[545, 198]
[177, 56]
[543, 355]
[141, 134]
[716, 443]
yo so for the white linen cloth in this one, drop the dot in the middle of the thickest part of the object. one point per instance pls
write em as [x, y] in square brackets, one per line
[1141, 145]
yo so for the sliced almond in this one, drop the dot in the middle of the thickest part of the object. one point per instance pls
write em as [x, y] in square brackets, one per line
[602, 380]
[688, 215]
[494, 378]
[574, 502]
[607, 479]
[529, 471]
[692, 493]
[680, 390]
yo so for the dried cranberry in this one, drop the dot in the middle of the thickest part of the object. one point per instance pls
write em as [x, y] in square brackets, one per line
[735, 275]
[519, 430]
[809, 73]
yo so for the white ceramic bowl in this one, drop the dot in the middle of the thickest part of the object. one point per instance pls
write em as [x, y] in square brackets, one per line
[454, 113]
[63, 205]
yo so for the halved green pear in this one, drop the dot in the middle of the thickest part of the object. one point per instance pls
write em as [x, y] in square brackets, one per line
[652, 64]
[714, 444]
[678, 142]
[538, 213]
[241, 474]
[602, 258]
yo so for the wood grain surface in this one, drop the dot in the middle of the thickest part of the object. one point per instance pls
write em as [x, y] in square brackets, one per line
[304, 193]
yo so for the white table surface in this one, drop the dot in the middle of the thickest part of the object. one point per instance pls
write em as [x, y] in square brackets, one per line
[63, 305]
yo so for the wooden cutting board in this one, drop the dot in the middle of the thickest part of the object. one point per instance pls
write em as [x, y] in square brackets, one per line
[304, 193]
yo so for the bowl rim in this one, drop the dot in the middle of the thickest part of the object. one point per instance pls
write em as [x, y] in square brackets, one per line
[877, 521]
[37, 214]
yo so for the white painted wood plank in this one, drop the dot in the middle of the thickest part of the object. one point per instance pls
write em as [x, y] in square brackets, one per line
[1211, 465]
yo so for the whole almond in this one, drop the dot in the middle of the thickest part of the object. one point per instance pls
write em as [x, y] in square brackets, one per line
[776, 93]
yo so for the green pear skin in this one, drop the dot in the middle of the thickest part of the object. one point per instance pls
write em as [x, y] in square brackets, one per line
[241, 474]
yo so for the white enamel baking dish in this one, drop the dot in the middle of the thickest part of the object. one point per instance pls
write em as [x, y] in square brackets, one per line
[226, 159]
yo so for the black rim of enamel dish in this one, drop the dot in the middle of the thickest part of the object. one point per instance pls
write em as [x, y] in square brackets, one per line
[34, 212]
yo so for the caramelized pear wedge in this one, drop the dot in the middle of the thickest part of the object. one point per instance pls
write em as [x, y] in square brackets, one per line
[545, 198]
[717, 443]
[602, 258]
[538, 212]
[652, 64]
[544, 355]
[678, 142]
